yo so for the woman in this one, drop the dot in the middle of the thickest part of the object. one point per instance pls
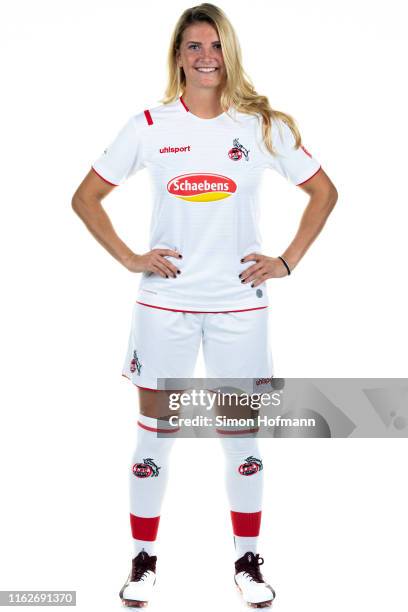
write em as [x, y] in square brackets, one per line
[206, 147]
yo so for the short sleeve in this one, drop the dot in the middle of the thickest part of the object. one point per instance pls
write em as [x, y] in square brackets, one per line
[297, 165]
[123, 157]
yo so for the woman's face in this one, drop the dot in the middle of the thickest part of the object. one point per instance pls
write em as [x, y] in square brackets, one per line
[199, 50]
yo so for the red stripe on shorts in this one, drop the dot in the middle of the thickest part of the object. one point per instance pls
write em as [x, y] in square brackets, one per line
[138, 386]
[200, 311]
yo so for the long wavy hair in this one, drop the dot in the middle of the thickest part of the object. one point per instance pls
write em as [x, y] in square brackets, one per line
[238, 91]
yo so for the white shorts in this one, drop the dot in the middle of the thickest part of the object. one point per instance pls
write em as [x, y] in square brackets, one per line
[165, 343]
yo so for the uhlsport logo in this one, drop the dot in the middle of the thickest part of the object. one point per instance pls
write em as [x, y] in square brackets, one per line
[184, 149]
[251, 466]
[146, 469]
[204, 187]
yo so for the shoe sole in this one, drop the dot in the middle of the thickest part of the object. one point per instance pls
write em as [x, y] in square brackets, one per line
[260, 604]
[134, 603]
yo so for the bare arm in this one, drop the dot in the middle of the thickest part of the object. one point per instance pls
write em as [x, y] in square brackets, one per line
[87, 203]
[323, 197]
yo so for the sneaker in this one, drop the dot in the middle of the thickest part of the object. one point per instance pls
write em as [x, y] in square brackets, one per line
[138, 587]
[248, 578]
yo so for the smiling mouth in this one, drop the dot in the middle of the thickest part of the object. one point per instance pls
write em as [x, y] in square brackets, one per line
[206, 70]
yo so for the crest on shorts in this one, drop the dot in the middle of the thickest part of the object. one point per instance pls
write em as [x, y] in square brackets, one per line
[146, 469]
[238, 151]
[251, 466]
[135, 363]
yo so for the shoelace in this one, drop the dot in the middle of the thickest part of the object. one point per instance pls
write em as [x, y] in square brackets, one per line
[140, 567]
[250, 567]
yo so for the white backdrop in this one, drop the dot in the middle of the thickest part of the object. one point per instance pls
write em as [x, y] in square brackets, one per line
[334, 518]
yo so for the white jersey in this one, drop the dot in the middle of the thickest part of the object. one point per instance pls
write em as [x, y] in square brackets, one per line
[206, 175]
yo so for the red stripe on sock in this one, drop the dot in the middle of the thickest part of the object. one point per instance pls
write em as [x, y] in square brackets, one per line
[144, 528]
[246, 524]
[158, 430]
[233, 432]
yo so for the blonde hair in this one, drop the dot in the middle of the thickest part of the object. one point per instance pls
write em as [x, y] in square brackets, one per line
[238, 91]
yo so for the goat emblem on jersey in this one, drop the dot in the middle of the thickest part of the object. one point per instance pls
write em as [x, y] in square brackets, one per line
[237, 151]
[135, 364]
[146, 469]
[251, 466]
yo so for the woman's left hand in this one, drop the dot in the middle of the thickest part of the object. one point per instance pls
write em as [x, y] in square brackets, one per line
[264, 267]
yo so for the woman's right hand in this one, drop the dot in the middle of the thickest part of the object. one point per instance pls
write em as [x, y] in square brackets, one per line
[154, 261]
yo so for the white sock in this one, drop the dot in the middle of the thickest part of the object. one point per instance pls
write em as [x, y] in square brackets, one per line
[148, 477]
[244, 545]
[244, 482]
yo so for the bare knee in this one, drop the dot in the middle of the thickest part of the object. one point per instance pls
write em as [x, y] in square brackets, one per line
[155, 404]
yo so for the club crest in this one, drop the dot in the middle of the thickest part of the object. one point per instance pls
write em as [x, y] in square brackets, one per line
[135, 364]
[251, 466]
[238, 151]
[146, 469]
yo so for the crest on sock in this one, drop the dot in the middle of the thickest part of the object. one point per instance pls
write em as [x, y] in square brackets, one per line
[251, 466]
[146, 469]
